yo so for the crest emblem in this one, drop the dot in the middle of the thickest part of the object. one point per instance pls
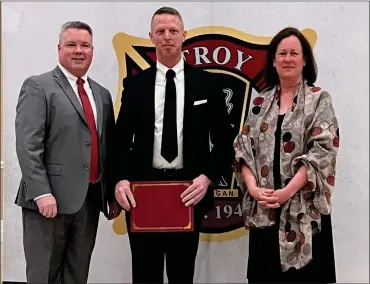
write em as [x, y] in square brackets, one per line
[237, 60]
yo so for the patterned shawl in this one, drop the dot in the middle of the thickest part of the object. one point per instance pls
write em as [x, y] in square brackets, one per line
[309, 137]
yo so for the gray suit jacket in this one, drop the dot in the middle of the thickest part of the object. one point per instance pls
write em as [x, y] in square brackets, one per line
[53, 141]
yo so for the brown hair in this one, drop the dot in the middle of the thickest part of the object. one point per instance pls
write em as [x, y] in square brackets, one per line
[166, 10]
[309, 71]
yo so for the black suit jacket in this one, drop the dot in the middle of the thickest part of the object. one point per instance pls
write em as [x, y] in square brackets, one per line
[134, 133]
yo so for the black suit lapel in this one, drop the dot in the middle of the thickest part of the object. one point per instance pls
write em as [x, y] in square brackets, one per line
[190, 89]
[148, 89]
[66, 87]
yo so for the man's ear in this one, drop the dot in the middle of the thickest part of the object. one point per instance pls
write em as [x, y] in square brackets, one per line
[184, 36]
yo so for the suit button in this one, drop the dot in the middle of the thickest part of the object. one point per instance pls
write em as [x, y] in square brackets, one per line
[87, 143]
[86, 167]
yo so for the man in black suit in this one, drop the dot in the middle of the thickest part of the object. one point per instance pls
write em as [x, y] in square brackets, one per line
[169, 114]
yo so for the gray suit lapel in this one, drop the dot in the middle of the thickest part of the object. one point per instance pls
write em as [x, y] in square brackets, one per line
[66, 87]
[99, 104]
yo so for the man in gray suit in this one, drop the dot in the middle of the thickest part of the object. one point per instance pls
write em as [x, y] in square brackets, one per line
[64, 126]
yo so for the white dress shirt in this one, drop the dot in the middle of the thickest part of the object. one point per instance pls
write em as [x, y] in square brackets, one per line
[160, 87]
[73, 82]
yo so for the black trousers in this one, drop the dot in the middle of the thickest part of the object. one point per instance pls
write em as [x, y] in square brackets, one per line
[151, 250]
[58, 250]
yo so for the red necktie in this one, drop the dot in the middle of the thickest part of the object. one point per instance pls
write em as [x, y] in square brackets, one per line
[94, 165]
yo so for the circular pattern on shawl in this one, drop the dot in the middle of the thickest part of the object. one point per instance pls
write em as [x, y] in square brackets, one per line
[296, 206]
[291, 236]
[314, 225]
[315, 89]
[289, 147]
[287, 137]
[256, 110]
[323, 164]
[324, 125]
[336, 142]
[289, 125]
[288, 170]
[316, 131]
[331, 180]
[258, 101]
[246, 129]
[312, 211]
[293, 258]
[272, 215]
[263, 181]
[263, 158]
[300, 217]
[306, 249]
[265, 171]
[264, 127]
[262, 136]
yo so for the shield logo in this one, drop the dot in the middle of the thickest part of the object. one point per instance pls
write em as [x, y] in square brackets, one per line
[237, 60]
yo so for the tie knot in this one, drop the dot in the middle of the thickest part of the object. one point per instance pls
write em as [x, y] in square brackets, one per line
[80, 81]
[170, 74]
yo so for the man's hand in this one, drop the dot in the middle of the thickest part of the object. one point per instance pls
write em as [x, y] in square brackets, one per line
[265, 197]
[122, 192]
[114, 210]
[195, 193]
[47, 206]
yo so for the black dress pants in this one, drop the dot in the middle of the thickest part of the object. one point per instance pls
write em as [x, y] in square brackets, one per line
[151, 250]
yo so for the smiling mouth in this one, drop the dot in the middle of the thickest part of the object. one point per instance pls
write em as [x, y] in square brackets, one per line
[78, 59]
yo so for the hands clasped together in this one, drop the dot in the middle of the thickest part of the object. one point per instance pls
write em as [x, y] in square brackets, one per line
[270, 198]
[191, 196]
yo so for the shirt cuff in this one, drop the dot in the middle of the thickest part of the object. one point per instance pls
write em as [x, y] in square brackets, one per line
[41, 196]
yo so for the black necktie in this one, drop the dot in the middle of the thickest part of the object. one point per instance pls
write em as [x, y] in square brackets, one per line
[169, 134]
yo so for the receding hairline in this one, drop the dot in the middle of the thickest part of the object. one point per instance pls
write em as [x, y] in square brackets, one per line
[78, 25]
[166, 11]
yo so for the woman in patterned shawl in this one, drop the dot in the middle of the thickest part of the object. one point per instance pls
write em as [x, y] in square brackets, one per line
[285, 162]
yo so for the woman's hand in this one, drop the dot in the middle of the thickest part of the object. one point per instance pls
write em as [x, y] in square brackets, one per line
[283, 195]
[264, 196]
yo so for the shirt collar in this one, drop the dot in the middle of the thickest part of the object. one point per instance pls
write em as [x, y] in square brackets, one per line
[162, 70]
[71, 78]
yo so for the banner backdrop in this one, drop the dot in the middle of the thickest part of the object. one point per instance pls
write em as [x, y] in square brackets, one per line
[230, 40]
